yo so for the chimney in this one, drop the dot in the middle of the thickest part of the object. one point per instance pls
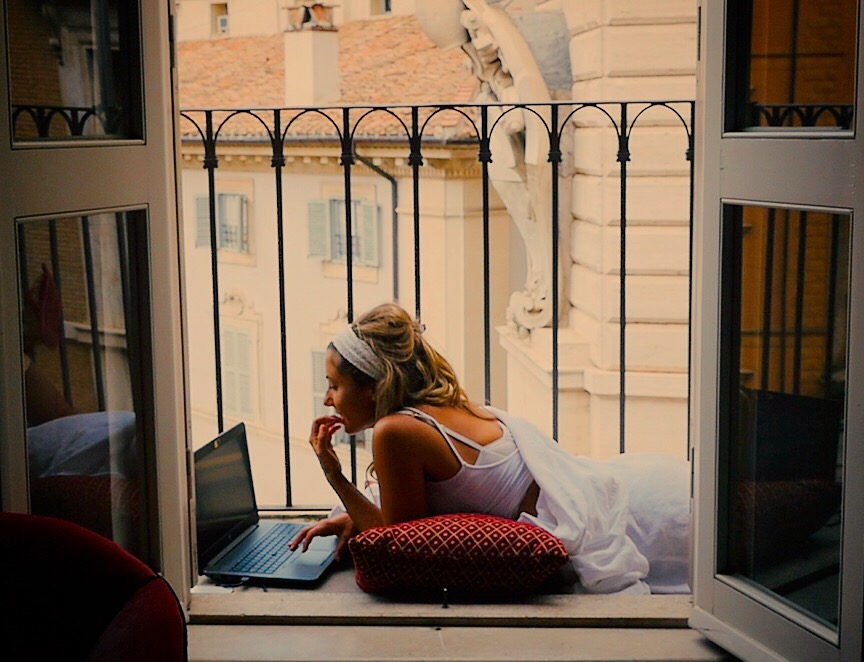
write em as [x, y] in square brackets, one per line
[311, 51]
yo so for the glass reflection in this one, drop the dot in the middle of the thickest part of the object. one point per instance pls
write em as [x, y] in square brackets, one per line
[74, 69]
[797, 63]
[83, 395]
[786, 310]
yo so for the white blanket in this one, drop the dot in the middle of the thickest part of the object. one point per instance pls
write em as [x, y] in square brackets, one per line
[622, 520]
[625, 520]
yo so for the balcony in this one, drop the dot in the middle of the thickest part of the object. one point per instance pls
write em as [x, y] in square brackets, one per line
[482, 220]
[462, 214]
[532, 342]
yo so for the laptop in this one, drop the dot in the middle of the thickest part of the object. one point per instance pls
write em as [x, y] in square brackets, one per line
[235, 546]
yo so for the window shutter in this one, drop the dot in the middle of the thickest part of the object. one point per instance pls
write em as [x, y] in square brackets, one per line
[317, 215]
[202, 220]
[236, 372]
[229, 375]
[337, 230]
[244, 224]
[232, 222]
[368, 231]
[243, 369]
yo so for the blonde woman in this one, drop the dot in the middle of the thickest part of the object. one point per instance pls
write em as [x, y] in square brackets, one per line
[436, 452]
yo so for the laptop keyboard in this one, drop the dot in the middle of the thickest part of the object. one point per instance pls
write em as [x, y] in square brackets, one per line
[268, 553]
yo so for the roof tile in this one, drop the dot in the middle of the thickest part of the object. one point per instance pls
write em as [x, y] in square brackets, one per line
[382, 62]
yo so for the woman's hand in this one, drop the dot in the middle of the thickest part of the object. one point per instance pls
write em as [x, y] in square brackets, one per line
[340, 525]
[321, 440]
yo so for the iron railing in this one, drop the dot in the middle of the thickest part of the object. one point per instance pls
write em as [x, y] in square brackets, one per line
[277, 128]
[790, 115]
[343, 126]
[62, 121]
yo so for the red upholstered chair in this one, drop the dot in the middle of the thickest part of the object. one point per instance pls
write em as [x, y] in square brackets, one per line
[71, 594]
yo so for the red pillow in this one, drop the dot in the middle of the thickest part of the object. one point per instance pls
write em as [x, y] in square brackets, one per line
[472, 556]
[774, 518]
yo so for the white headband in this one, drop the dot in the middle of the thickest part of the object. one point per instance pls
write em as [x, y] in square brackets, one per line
[358, 353]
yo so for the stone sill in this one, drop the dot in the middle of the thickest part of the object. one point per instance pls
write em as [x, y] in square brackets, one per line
[255, 606]
[538, 359]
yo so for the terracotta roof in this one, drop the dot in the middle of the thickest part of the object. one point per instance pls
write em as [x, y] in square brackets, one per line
[382, 61]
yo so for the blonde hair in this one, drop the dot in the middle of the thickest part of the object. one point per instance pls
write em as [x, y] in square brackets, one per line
[414, 373]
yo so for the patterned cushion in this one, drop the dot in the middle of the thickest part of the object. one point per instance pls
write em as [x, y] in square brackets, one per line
[472, 556]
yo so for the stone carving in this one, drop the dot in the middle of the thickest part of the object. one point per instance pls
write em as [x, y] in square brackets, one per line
[311, 15]
[503, 62]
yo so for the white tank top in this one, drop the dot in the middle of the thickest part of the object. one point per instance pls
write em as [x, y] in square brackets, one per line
[494, 485]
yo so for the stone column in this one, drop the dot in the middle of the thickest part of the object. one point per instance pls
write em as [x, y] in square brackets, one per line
[631, 50]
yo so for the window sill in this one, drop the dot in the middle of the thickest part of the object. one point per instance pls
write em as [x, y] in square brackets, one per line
[338, 601]
[339, 270]
[232, 257]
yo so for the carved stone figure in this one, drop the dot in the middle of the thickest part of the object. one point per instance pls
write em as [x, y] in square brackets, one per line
[503, 62]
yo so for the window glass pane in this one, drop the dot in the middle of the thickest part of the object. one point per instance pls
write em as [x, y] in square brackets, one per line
[785, 310]
[82, 290]
[232, 223]
[793, 63]
[74, 69]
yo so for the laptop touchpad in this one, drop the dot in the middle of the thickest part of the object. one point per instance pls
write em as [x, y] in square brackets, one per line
[320, 550]
[312, 557]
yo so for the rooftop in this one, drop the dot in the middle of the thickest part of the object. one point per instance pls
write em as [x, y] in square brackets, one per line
[382, 61]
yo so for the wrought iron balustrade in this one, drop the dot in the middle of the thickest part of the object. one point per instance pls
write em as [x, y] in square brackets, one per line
[802, 115]
[64, 121]
[416, 128]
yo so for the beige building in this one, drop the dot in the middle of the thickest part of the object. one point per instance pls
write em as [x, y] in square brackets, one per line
[377, 61]
[775, 207]
[389, 59]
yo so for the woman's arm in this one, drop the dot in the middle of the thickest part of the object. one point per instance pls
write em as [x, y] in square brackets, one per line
[400, 450]
[400, 446]
[362, 512]
[338, 525]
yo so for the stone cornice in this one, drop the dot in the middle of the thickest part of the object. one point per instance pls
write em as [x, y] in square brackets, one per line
[440, 161]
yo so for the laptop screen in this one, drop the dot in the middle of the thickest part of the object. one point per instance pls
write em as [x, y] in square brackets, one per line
[224, 495]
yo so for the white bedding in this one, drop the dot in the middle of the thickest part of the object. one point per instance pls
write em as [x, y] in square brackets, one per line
[654, 503]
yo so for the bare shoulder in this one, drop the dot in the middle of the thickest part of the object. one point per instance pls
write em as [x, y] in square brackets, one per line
[402, 438]
[395, 428]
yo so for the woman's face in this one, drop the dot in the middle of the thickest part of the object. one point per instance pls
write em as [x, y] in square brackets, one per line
[354, 403]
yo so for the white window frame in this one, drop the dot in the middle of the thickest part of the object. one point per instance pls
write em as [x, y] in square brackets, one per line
[202, 218]
[326, 217]
[219, 25]
[222, 24]
[776, 167]
[225, 189]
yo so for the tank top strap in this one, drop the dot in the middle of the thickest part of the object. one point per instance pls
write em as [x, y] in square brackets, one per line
[446, 432]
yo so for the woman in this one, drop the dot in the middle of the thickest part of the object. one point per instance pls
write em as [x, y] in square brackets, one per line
[436, 452]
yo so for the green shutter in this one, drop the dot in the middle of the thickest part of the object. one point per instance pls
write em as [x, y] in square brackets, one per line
[229, 374]
[368, 231]
[317, 217]
[237, 372]
[202, 220]
[244, 224]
